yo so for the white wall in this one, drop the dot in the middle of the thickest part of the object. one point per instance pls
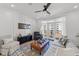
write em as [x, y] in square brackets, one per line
[72, 26]
[26, 20]
[9, 23]
[38, 25]
[5, 22]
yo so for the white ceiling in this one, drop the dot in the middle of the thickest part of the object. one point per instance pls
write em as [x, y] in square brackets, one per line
[28, 9]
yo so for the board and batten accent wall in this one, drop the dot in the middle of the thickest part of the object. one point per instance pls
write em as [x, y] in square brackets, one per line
[9, 20]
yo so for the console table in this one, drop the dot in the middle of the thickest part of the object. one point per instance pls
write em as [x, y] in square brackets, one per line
[24, 39]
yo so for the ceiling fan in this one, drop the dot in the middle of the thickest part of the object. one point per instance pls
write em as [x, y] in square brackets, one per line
[45, 8]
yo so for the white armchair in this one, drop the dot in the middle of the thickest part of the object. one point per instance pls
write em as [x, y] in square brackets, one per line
[9, 46]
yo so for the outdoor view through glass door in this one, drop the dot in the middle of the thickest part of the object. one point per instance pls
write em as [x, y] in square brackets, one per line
[54, 28]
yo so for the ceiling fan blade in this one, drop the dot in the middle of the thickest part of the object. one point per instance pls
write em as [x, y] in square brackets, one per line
[48, 12]
[38, 11]
[48, 4]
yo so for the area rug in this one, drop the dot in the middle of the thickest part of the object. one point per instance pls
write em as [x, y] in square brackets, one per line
[26, 48]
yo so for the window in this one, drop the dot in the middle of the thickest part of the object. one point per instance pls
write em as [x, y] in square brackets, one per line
[53, 26]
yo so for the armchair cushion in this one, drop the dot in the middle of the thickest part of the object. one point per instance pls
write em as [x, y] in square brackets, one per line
[9, 48]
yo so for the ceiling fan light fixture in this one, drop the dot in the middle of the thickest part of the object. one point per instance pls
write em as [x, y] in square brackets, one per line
[29, 3]
[76, 6]
[12, 5]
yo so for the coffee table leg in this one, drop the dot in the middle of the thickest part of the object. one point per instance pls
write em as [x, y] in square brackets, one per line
[31, 47]
[40, 53]
[0, 54]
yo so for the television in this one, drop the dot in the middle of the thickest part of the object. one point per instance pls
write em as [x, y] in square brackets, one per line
[23, 26]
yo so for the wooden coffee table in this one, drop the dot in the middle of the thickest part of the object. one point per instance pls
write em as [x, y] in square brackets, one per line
[39, 47]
